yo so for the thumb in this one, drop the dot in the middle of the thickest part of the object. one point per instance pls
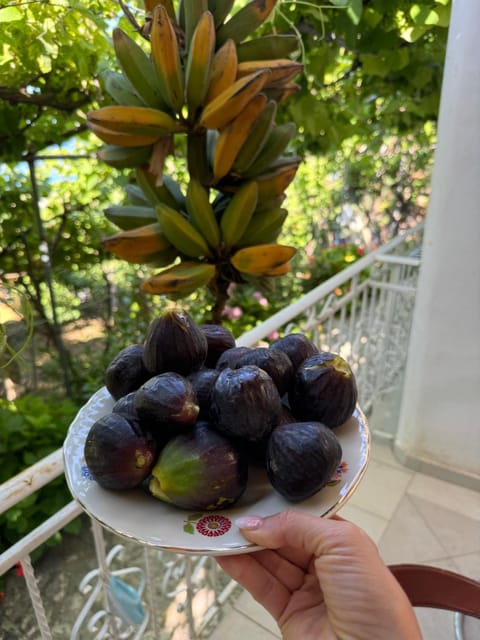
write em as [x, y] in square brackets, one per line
[291, 528]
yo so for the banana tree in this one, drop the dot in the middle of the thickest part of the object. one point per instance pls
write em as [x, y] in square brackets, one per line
[206, 75]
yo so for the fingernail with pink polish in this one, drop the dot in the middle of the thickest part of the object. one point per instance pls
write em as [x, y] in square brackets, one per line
[249, 522]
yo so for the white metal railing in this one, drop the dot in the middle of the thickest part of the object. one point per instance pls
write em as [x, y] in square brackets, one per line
[364, 312]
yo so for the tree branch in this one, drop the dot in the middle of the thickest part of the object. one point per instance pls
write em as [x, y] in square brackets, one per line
[19, 96]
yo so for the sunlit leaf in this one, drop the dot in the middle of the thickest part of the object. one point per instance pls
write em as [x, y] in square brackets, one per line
[10, 14]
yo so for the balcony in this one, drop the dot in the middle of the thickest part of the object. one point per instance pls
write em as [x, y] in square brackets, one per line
[98, 585]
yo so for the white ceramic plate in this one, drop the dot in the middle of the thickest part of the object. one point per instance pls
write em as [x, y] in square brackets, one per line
[136, 515]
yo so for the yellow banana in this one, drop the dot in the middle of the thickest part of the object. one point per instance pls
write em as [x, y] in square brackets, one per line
[138, 245]
[256, 140]
[246, 20]
[119, 88]
[168, 192]
[199, 63]
[233, 136]
[135, 120]
[264, 227]
[181, 233]
[226, 106]
[137, 68]
[261, 259]
[128, 217]
[168, 4]
[275, 183]
[201, 213]
[124, 157]
[281, 270]
[275, 145]
[224, 70]
[121, 139]
[238, 213]
[283, 70]
[268, 47]
[166, 59]
[180, 280]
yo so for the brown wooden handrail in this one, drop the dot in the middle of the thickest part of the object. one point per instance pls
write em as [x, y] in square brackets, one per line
[428, 586]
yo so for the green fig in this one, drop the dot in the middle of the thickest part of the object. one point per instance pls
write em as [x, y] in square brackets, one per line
[199, 470]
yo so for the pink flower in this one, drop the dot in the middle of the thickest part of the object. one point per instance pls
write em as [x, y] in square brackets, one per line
[213, 525]
[260, 298]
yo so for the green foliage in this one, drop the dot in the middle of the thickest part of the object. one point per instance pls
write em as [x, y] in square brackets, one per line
[369, 67]
[49, 56]
[31, 429]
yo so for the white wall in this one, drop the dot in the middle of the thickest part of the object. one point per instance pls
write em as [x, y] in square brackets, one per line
[439, 426]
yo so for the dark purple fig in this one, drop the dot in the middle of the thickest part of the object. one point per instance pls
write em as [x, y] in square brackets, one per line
[203, 382]
[301, 458]
[126, 404]
[324, 390]
[166, 404]
[219, 339]
[287, 415]
[174, 343]
[276, 363]
[118, 453]
[200, 470]
[229, 358]
[126, 372]
[296, 346]
[246, 403]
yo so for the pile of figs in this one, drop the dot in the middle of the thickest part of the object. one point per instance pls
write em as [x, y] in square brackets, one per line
[193, 412]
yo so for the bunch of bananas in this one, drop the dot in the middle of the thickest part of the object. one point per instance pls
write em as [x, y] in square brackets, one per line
[209, 78]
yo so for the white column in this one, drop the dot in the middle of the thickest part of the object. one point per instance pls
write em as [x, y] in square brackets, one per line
[439, 425]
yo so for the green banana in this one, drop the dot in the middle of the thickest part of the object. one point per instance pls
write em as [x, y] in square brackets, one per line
[264, 227]
[124, 157]
[175, 191]
[158, 193]
[245, 21]
[136, 195]
[166, 59]
[181, 14]
[201, 213]
[199, 63]
[181, 233]
[274, 147]
[128, 217]
[137, 68]
[193, 9]
[220, 10]
[238, 213]
[269, 47]
[180, 279]
[120, 89]
[197, 156]
[257, 138]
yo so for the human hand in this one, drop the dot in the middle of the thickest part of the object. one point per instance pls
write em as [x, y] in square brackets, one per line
[321, 579]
